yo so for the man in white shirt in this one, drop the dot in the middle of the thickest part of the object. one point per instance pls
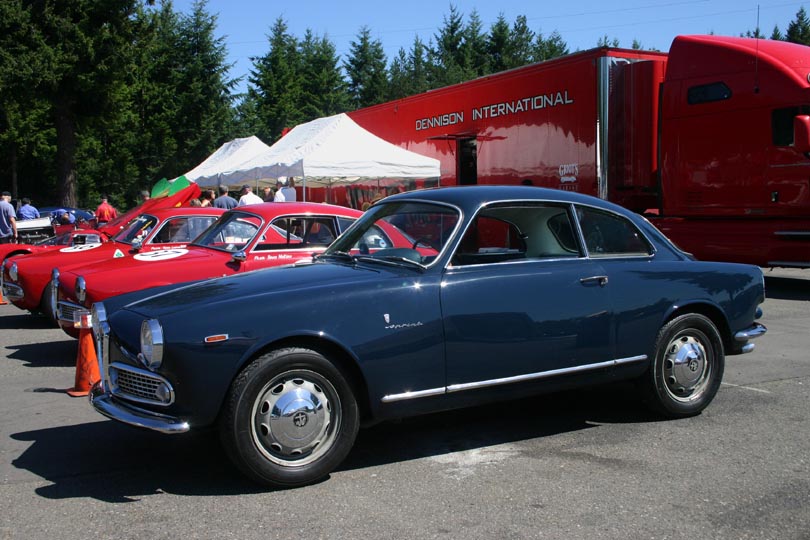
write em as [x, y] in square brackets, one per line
[248, 197]
[285, 190]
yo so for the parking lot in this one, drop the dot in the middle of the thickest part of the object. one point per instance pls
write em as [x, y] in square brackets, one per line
[585, 464]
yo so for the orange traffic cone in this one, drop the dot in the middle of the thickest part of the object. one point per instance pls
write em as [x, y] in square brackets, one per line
[87, 373]
[2, 300]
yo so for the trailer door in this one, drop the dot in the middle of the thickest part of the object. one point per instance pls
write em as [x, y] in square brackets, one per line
[467, 161]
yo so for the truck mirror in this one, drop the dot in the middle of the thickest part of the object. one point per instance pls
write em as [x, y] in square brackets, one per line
[801, 133]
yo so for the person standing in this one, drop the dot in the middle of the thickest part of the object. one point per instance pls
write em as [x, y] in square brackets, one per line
[224, 200]
[8, 220]
[27, 211]
[248, 197]
[285, 189]
[207, 198]
[143, 196]
[267, 194]
[105, 211]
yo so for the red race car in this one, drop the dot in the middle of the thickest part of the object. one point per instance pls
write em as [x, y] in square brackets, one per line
[246, 238]
[27, 279]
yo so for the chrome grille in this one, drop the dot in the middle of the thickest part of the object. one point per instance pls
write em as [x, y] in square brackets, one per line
[139, 385]
[67, 309]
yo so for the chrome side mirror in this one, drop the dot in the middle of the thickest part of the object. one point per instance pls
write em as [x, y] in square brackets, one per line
[239, 256]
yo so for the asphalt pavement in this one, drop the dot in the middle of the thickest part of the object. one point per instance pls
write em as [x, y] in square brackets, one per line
[588, 464]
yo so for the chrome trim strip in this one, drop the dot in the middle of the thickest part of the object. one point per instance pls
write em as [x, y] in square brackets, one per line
[509, 380]
[799, 234]
[542, 374]
[413, 395]
[752, 332]
[105, 404]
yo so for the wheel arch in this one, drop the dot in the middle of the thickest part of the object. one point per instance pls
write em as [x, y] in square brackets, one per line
[711, 312]
[334, 353]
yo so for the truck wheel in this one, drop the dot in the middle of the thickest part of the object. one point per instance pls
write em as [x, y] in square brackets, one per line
[687, 369]
[290, 418]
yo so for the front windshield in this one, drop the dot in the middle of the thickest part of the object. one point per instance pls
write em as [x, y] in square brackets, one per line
[410, 230]
[137, 229]
[232, 232]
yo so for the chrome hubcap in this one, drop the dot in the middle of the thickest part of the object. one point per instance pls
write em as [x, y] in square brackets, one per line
[686, 368]
[295, 418]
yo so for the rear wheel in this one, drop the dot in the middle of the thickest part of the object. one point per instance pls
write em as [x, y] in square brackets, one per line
[290, 418]
[687, 369]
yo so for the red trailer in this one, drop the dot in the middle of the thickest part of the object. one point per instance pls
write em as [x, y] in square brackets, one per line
[711, 140]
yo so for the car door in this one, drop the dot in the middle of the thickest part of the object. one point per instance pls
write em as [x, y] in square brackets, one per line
[520, 299]
[292, 239]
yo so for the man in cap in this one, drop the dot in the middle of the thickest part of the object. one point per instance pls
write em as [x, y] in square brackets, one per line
[285, 189]
[8, 220]
[248, 197]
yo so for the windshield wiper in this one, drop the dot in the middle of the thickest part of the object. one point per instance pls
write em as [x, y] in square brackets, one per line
[392, 260]
[338, 255]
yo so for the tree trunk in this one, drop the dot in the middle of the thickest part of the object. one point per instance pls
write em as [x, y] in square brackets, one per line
[65, 152]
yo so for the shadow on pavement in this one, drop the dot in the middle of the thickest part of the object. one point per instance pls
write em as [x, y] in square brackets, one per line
[45, 354]
[23, 320]
[116, 463]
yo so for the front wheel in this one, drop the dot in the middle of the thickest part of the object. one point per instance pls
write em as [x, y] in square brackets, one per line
[290, 418]
[687, 369]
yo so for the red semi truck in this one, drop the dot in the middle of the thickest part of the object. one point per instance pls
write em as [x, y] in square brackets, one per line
[711, 141]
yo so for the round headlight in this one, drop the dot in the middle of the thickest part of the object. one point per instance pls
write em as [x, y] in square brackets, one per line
[81, 289]
[151, 344]
[12, 272]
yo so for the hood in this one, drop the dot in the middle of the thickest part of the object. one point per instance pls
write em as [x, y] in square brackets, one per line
[209, 296]
[172, 263]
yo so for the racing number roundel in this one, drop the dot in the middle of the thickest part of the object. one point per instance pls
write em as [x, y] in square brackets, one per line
[161, 255]
[79, 247]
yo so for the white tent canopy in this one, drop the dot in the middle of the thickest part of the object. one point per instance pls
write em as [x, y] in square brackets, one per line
[224, 165]
[325, 151]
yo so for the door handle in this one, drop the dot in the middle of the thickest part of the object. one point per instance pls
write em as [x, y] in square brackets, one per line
[601, 280]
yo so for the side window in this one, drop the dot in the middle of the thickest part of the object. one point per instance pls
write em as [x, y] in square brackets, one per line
[173, 230]
[344, 223]
[706, 93]
[611, 235]
[782, 124]
[507, 233]
[320, 231]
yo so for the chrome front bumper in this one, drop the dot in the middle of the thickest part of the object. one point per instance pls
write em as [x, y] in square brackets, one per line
[115, 409]
[13, 292]
[752, 332]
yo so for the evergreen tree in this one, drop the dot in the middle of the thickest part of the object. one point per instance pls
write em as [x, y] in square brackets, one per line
[521, 39]
[498, 44]
[777, 34]
[204, 117]
[475, 45]
[399, 77]
[552, 47]
[798, 30]
[452, 58]
[73, 51]
[276, 85]
[365, 67]
[323, 89]
[605, 41]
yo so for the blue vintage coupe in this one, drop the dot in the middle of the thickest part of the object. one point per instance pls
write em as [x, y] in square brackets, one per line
[434, 299]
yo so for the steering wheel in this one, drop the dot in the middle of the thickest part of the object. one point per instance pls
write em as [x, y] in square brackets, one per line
[421, 240]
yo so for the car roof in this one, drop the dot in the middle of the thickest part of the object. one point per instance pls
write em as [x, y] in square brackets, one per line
[468, 197]
[162, 213]
[272, 209]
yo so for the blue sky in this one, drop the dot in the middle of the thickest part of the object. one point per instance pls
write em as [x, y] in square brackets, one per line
[245, 24]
